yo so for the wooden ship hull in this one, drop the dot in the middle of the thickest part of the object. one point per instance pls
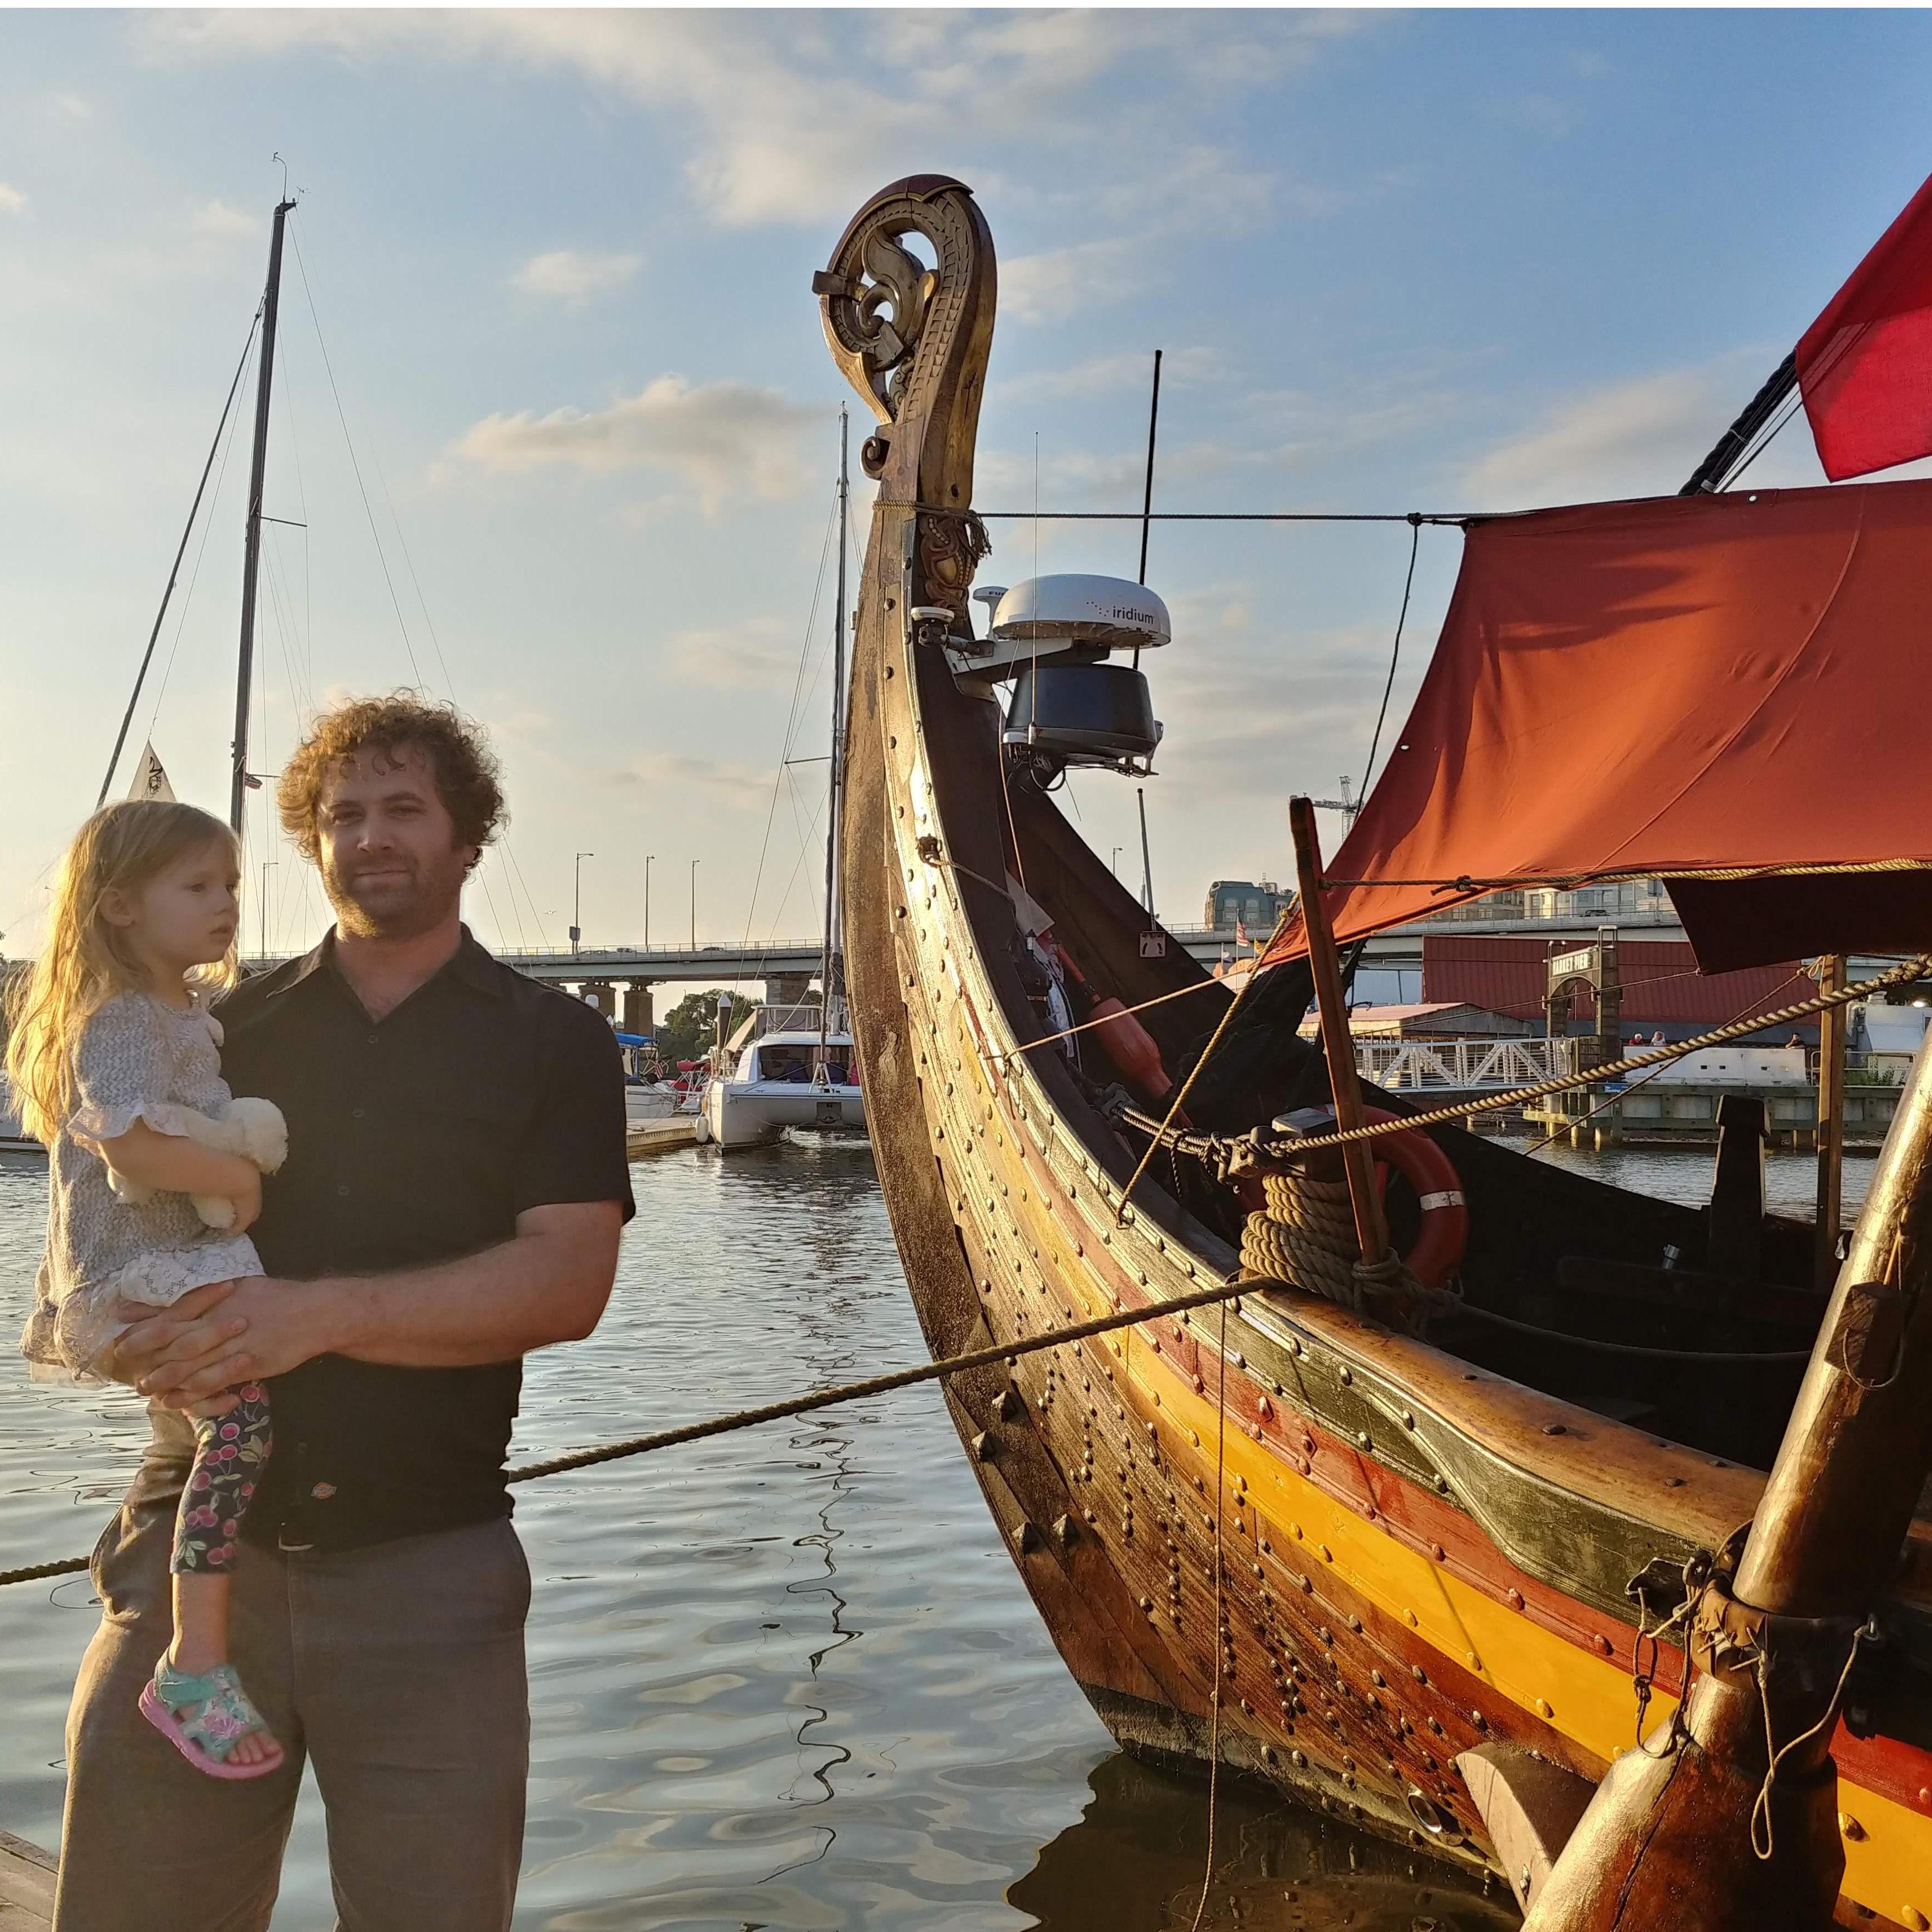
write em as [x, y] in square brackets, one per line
[1389, 1553]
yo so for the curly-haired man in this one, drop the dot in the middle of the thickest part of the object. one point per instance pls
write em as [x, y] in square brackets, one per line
[453, 1197]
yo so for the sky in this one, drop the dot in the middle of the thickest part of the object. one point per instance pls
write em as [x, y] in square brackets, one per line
[555, 429]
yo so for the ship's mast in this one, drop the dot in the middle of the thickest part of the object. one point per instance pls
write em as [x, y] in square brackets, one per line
[831, 978]
[238, 793]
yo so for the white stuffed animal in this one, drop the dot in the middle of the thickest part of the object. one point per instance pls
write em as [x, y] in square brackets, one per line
[254, 1129]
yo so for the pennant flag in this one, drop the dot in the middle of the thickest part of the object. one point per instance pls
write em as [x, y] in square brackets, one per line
[151, 781]
[1865, 365]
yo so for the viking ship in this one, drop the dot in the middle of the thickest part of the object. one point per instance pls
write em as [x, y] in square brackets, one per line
[1400, 1551]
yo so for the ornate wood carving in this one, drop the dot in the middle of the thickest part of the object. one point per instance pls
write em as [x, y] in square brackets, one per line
[913, 340]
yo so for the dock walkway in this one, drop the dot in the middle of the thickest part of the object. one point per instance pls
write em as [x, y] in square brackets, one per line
[659, 1134]
[26, 1885]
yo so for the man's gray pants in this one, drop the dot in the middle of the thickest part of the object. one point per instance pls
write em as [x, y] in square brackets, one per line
[397, 1670]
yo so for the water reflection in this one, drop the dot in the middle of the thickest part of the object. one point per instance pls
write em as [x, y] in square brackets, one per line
[787, 1678]
[1135, 1861]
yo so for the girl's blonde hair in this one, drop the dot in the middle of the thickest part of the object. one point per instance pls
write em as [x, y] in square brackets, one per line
[87, 959]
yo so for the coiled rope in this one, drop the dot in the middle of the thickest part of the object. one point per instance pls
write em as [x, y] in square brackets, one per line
[750, 1418]
[1214, 1148]
[1306, 1234]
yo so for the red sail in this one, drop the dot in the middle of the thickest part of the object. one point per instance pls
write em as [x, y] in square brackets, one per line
[1865, 365]
[1688, 686]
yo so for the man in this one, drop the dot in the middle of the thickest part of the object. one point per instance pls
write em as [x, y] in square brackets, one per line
[454, 1191]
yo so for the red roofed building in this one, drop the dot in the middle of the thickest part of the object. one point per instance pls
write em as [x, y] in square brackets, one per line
[1663, 990]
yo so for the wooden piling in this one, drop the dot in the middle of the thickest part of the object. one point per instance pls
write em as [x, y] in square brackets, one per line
[1358, 1158]
[1830, 1136]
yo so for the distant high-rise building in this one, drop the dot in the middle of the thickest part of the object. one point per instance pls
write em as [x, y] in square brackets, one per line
[1245, 902]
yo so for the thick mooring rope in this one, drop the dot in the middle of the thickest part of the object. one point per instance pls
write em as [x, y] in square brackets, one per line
[1215, 1147]
[749, 1418]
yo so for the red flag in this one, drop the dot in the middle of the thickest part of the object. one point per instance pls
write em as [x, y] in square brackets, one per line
[1865, 365]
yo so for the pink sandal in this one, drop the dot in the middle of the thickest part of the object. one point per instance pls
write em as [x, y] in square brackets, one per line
[227, 1716]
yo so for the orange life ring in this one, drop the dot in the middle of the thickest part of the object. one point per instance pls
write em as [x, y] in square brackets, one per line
[1444, 1232]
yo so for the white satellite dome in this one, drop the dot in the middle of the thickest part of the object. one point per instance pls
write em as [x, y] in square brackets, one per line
[1108, 613]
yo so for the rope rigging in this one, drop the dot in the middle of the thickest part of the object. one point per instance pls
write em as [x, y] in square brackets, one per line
[1223, 1291]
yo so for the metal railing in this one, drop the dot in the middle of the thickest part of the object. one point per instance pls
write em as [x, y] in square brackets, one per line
[1459, 1066]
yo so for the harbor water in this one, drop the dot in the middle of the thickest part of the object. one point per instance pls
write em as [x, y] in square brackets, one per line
[787, 1677]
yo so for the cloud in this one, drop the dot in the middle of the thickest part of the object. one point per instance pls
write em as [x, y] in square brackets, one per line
[571, 276]
[1130, 369]
[1098, 479]
[1639, 438]
[732, 785]
[793, 117]
[1259, 711]
[218, 221]
[721, 438]
[13, 200]
[1050, 287]
[758, 655]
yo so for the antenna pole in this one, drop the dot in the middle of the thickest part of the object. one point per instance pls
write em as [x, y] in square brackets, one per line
[828, 962]
[1147, 863]
[238, 793]
[1147, 495]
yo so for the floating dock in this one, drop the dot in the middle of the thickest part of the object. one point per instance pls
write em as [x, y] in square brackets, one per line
[26, 1885]
[660, 1134]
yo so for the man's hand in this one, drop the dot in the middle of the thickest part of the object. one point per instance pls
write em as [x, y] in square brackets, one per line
[548, 1284]
[264, 1327]
[200, 1328]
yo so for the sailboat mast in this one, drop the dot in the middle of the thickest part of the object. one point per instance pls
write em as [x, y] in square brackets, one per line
[828, 966]
[244, 676]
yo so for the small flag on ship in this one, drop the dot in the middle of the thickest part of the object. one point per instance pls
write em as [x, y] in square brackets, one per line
[1864, 366]
[150, 779]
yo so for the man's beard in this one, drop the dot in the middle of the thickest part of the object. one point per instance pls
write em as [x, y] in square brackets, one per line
[408, 898]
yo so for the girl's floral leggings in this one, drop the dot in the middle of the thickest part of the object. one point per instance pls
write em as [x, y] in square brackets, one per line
[230, 1452]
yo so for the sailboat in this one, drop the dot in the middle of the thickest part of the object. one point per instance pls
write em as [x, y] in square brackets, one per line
[1432, 1519]
[242, 781]
[791, 1069]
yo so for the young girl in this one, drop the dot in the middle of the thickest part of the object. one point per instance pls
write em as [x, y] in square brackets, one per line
[109, 1048]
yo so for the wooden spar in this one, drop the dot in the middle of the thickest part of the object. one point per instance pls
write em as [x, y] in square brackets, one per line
[1669, 1839]
[1830, 1119]
[1371, 1231]
[251, 559]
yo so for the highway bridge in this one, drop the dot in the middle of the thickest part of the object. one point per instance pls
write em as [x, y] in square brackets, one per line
[619, 978]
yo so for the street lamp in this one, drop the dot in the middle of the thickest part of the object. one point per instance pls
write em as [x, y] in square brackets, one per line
[262, 913]
[577, 902]
[648, 857]
[1114, 863]
[693, 905]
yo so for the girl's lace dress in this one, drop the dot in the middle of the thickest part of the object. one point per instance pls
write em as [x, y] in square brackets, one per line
[139, 1059]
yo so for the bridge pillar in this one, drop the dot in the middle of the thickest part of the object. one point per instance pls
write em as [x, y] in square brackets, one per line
[638, 1008]
[602, 995]
[787, 989]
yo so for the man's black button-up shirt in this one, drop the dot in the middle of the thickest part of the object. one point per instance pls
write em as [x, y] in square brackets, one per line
[413, 1139]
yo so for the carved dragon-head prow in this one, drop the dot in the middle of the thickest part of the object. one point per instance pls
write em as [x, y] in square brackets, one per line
[912, 339]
